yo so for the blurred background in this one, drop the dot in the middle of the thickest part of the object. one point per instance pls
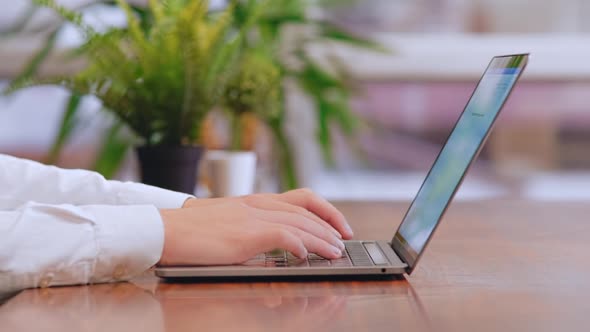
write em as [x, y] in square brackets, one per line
[408, 98]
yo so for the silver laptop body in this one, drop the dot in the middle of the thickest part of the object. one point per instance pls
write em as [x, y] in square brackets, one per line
[381, 258]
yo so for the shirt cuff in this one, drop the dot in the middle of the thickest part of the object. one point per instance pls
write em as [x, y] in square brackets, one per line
[131, 193]
[129, 239]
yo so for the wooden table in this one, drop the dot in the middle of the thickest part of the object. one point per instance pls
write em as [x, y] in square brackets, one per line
[493, 266]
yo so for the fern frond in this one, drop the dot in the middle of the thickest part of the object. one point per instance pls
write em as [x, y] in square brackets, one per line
[157, 10]
[95, 42]
[190, 29]
[217, 32]
[67, 126]
[134, 26]
[32, 82]
[220, 51]
[69, 15]
[162, 78]
[35, 63]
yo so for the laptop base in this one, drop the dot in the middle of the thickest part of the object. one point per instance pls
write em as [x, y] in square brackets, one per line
[362, 258]
[291, 278]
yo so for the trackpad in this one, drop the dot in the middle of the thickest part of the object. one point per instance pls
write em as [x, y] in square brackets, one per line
[375, 252]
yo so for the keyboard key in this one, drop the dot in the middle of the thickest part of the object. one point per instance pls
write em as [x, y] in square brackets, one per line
[314, 257]
[298, 263]
[276, 264]
[275, 259]
[259, 257]
[358, 255]
[255, 263]
[277, 253]
[341, 262]
[319, 263]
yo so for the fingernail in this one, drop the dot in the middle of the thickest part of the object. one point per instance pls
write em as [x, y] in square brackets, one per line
[304, 255]
[337, 252]
[349, 229]
[337, 233]
[340, 244]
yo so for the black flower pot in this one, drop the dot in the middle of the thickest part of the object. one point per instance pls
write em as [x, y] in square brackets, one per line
[170, 167]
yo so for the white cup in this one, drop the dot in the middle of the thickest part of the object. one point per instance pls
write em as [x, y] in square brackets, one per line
[231, 173]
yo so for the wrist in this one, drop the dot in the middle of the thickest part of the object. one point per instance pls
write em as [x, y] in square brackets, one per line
[190, 202]
[167, 216]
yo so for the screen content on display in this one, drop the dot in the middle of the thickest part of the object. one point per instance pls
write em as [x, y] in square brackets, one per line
[457, 154]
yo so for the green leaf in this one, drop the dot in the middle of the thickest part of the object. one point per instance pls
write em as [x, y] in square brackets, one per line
[157, 10]
[330, 96]
[35, 63]
[333, 32]
[346, 120]
[285, 11]
[134, 24]
[112, 36]
[112, 152]
[29, 83]
[67, 126]
[69, 15]
[145, 17]
[277, 14]
[323, 134]
[288, 173]
[315, 78]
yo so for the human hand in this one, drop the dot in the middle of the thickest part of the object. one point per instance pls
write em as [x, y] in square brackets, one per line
[301, 201]
[233, 230]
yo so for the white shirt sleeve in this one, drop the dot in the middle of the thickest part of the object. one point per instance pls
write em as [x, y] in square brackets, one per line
[63, 227]
[24, 181]
[49, 245]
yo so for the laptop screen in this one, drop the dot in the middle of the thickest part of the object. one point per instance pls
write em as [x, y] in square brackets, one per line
[455, 157]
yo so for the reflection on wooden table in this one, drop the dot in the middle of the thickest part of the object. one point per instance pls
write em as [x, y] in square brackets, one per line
[322, 306]
[493, 266]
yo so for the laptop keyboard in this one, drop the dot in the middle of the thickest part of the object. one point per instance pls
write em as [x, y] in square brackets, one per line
[355, 254]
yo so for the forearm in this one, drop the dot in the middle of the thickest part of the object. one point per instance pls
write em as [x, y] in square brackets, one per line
[24, 181]
[49, 245]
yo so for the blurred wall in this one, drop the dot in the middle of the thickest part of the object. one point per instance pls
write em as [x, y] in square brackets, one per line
[438, 50]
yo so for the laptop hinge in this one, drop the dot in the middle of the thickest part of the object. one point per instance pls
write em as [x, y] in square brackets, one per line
[390, 253]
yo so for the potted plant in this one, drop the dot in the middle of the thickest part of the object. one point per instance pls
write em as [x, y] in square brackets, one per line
[253, 91]
[328, 88]
[160, 80]
[261, 24]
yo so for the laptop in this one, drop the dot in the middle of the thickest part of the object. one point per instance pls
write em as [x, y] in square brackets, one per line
[381, 258]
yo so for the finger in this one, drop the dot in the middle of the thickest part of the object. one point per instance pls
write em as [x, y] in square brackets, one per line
[301, 222]
[306, 199]
[267, 203]
[278, 237]
[315, 244]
